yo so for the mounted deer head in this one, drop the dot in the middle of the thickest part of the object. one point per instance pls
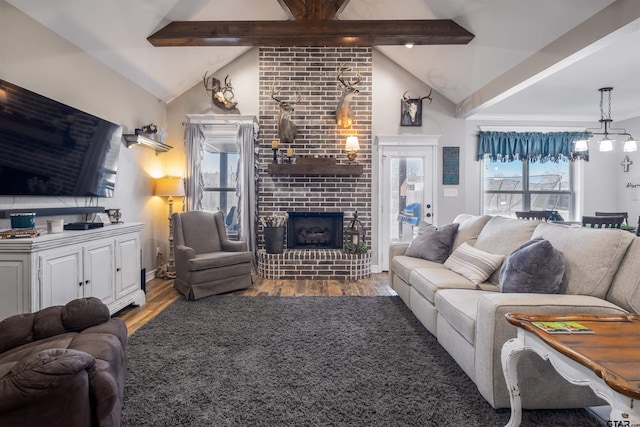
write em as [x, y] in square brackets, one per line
[344, 115]
[287, 130]
[411, 106]
[221, 96]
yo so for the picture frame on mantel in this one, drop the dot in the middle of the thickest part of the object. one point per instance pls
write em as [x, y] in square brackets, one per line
[450, 165]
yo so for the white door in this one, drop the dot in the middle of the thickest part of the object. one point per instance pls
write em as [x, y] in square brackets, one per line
[407, 180]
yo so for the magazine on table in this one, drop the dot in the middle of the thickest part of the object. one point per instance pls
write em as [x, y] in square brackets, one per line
[563, 327]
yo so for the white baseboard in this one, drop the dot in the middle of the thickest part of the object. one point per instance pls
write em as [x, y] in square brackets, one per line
[150, 275]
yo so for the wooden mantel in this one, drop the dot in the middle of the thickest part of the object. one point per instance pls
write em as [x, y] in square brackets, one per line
[314, 169]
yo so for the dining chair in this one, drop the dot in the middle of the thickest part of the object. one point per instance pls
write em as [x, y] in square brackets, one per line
[603, 221]
[533, 215]
[624, 214]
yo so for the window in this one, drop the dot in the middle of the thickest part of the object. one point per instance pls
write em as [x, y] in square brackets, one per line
[523, 186]
[219, 173]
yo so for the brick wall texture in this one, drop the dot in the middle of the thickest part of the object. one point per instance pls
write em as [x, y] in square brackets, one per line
[311, 72]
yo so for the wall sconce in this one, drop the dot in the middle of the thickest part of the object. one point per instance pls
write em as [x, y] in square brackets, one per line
[170, 187]
[352, 146]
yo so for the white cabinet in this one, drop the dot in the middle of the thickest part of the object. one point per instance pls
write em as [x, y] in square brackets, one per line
[54, 269]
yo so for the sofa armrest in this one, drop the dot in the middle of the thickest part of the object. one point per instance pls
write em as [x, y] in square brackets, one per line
[395, 249]
[493, 330]
[41, 375]
[234, 246]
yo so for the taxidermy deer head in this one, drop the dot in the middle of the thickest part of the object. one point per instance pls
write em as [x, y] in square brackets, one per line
[411, 104]
[221, 96]
[287, 130]
[344, 115]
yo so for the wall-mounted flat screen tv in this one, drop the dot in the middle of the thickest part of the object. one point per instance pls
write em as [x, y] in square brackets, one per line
[51, 149]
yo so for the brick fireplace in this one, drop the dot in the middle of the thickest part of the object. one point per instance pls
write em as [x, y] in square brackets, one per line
[312, 73]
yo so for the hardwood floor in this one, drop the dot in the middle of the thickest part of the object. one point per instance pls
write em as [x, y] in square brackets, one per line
[160, 293]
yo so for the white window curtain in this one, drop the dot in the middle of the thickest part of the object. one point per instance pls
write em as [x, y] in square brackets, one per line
[194, 152]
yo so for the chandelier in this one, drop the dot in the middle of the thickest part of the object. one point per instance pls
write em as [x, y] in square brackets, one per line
[606, 143]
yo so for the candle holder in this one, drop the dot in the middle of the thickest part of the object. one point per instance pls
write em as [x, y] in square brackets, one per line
[275, 155]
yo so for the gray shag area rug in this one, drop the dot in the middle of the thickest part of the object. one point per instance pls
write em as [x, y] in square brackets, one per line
[303, 361]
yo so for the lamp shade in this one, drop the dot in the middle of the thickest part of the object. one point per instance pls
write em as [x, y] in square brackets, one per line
[352, 144]
[606, 144]
[169, 187]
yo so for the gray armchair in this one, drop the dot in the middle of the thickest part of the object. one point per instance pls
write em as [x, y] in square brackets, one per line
[207, 263]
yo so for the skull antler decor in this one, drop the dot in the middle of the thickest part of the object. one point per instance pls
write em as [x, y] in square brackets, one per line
[221, 96]
[411, 109]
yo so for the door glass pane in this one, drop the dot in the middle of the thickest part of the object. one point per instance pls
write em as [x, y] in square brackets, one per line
[407, 193]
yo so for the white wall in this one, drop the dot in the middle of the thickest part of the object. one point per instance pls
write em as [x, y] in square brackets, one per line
[627, 197]
[35, 58]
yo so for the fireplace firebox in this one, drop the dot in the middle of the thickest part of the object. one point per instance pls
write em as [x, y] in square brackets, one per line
[315, 230]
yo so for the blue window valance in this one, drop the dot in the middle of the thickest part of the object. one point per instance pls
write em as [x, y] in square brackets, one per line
[532, 146]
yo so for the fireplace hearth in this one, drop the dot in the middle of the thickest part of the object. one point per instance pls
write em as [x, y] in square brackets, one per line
[315, 230]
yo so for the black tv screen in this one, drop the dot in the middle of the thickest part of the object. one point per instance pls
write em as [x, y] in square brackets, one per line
[51, 149]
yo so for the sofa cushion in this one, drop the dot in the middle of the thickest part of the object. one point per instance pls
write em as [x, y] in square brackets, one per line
[625, 288]
[428, 281]
[535, 267]
[459, 307]
[469, 229]
[502, 236]
[473, 263]
[432, 243]
[592, 256]
[403, 265]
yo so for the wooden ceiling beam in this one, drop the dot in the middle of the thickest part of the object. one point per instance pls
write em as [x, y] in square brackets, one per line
[331, 9]
[296, 9]
[309, 10]
[310, 33]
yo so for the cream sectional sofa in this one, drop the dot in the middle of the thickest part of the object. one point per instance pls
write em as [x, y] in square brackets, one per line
[602, 275]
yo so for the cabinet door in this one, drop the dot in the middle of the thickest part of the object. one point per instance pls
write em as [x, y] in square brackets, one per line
[15, 291]
[61, 276]
[99, 270]
[127, 265]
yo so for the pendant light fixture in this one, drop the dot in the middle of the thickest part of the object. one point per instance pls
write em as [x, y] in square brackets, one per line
[606, 143]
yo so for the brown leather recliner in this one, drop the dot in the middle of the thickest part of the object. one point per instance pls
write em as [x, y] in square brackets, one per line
[63, 366]
[207, 263]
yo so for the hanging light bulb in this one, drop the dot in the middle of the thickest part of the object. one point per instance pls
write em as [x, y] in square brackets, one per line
[581, 145]
[630, 145]
[606, 144]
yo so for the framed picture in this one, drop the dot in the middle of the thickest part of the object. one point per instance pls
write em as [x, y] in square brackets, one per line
[411, 112]
[450, 165]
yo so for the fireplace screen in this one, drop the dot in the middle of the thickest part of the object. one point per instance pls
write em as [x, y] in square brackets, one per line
[312, 230]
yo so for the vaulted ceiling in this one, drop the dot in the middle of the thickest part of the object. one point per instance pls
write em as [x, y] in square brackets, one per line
[542, 59]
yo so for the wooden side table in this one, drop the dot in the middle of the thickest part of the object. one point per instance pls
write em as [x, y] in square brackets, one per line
[607, 360]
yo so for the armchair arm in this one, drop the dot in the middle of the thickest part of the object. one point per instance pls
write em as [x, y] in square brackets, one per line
[184, 253]
[42, 375]
[233, 246]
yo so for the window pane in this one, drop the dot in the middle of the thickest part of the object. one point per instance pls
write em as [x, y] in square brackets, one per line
[549, 176]
[505, 204]
[219, 169]
[554, 202]
[502, 176]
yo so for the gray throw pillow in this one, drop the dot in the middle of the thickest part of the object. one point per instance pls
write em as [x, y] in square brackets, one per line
[433, 244]
[534, 267]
